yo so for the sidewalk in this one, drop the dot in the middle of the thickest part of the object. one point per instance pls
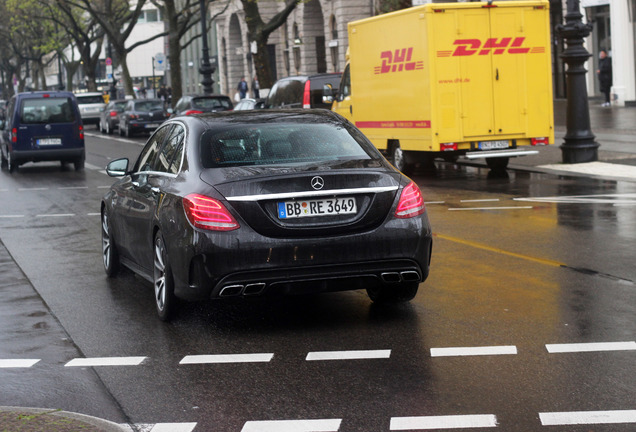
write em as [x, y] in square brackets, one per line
[615, 131]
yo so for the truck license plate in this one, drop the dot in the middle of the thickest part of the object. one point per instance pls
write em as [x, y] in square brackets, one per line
[493, 145]
[318, 207]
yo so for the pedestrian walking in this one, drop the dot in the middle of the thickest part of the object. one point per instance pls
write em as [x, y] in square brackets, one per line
[242, 88]
[256, 89]
[604, 73]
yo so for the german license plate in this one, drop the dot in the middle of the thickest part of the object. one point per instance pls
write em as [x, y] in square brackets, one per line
[317, 207]
[49, 141]
[152, 125]
[493, 145]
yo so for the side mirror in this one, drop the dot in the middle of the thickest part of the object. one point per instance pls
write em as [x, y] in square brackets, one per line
[117, 168]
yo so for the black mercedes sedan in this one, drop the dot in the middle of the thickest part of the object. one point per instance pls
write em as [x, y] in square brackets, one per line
[247, 203]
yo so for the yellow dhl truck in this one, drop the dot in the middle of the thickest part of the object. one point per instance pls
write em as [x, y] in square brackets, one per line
[451, 79]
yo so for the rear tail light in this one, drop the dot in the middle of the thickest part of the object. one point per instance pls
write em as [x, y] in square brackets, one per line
[208, 213]
[113, 114]
[81, 132]
[411, 202]
[192, 112]
[14, 135]
[307, 95]
[540, 141]
[133, 116]
[448, 146]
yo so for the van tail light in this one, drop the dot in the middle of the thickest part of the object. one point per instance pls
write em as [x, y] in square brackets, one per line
[307, 95]
[539, 141]
[448, 146]
[14, 135]
[208, 213]
[192, 112]
[81, 132]
[411, 202]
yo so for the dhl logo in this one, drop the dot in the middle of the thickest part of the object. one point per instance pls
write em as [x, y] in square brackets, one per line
[398, 61]
[469, 47]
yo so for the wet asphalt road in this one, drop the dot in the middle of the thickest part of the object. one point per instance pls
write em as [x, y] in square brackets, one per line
[517, 267]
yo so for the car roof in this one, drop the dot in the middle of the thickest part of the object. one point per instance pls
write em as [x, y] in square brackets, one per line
[41, 93]
[228, 118]
[88, 94]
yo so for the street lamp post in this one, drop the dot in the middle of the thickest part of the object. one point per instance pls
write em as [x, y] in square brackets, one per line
[579, 145]
[206, 69]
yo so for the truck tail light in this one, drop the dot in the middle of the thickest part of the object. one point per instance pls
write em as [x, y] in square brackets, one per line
[192, 112]
[208, 213]
[307, 95]
[411, 202]
[448, 146]
[539, 141]
[14, 135]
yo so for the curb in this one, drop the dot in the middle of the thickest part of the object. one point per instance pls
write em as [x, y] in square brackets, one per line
[39, 419]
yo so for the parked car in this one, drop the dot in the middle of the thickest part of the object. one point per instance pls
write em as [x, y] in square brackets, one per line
[42, 126]
[91, 106]
[305, 91]
[199, 104]
[249, 104]
[245, 203]
[141, 115]
[109, 117]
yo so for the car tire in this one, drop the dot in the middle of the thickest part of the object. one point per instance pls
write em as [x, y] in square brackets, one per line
[79, 163]
[99, 126]
[3, 159]
[128, 132]
[109, 249]
[499, 163]
[121, 130]
[163, 281]
[393, 293]
[109, 131]
[11, 165]
[398, 159]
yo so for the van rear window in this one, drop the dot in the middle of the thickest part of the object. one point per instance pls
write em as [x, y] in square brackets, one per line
[90, 99]
[47, 110]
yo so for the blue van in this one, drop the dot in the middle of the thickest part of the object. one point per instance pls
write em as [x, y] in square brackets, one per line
[42, 126]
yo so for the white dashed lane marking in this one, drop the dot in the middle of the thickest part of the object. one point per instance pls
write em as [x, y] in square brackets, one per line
[319, 425]
[444, 422]
[227, 358]
[474, 351]
[587, 417]
[348, 355]
[17, 363]
[105, 361]
[590, 347]
[160, 427]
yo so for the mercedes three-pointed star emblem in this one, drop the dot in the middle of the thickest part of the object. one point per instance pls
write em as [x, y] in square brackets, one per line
[317, 183]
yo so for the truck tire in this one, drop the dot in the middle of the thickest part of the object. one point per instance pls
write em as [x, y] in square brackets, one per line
[398, 159]
[498, 163]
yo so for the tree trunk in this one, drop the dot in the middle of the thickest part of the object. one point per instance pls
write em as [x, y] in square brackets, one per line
[125, 73]
[261, 64]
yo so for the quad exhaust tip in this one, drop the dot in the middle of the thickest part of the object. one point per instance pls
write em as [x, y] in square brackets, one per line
[247, 290]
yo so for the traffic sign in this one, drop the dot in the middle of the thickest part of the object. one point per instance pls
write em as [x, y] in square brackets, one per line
[160, 61]
[109, 61]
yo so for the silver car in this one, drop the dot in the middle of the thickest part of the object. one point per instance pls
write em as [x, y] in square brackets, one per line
[91, 106]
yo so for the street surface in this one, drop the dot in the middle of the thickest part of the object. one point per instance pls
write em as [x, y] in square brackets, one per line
[527, 321]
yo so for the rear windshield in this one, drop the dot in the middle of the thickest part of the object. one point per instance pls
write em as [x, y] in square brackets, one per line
[280, 144]
[211, 103]
[149, 106]
[47, 110]
[97, 99]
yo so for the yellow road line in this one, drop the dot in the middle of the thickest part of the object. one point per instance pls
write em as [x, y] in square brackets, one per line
[500, 251]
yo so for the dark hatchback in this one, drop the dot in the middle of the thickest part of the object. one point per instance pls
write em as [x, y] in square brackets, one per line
[303, 91]
[141, 115]
[268, 201]
[200, 104]
[109, 117]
